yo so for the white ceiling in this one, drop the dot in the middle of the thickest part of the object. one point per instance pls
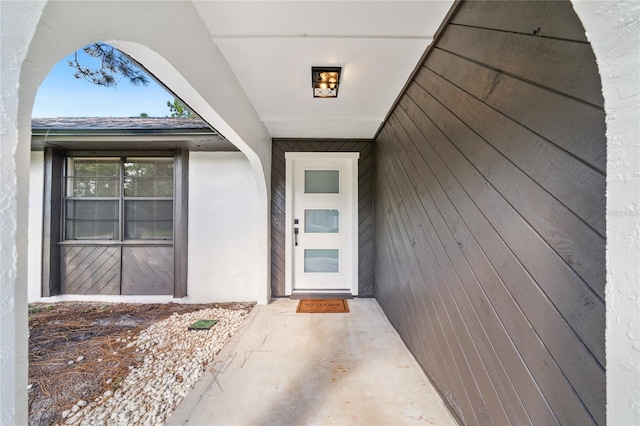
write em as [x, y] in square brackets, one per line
[272, 45]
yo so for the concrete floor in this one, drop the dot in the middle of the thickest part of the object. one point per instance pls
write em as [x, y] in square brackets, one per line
[285, 368]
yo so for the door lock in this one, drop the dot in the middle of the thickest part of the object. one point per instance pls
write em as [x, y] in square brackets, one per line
[295, 235]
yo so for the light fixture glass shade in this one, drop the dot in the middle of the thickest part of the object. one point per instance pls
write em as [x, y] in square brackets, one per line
[325, 81]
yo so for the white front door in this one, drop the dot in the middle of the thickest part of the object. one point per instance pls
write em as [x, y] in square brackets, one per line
[322, 222]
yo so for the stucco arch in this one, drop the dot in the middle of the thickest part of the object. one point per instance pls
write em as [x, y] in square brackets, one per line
[178, 61]
[35, 36]
[612, 28]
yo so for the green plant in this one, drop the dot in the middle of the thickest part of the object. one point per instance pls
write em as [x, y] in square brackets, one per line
[113, 63]
[179, 109]
[117, 383]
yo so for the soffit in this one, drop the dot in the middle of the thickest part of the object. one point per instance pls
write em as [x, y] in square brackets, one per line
[272, 45]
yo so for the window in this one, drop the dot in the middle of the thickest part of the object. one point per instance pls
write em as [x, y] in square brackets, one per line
[119, 198]
[321, 181]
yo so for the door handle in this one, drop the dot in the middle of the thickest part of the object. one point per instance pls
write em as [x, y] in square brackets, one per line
[295, 235]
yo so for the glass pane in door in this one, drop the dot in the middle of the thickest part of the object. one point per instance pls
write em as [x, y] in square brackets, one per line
[321, 221]
[322, 181]
[321, 260]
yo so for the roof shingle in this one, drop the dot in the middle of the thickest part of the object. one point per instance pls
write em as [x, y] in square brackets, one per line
[117, 123]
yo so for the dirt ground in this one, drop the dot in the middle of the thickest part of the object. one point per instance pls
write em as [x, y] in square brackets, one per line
[77, 350]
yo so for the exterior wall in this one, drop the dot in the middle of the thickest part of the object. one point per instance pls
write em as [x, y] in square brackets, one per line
[365, 207]
[490, 216]
[223, 219]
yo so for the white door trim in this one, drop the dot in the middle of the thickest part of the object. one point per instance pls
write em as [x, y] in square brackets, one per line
[290, 158]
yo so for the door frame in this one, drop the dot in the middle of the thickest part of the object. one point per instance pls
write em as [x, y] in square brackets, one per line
[352, 222]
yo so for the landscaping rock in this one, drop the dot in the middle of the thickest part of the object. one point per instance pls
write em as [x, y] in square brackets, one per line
[173, 359]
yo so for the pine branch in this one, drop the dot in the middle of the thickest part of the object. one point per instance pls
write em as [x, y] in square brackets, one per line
[112, 63]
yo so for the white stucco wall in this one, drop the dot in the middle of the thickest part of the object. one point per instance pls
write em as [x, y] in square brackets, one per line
[18, 21]
[223, 218]
[36, 184]
[613, 28]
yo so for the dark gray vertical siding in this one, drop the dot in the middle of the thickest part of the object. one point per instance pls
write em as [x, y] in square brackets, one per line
[52, 222]
[490, 216]
[365, 206]
[181, 223]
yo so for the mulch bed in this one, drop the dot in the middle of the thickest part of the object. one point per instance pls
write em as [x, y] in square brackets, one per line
[78, 350]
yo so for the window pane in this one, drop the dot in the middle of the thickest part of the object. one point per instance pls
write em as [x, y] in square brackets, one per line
[91, 220]
[148, 219]
[92, 187]
[148, 177]
[91, 167]
[321, 181]
[93, 177]
[321, 221]
[321, 260]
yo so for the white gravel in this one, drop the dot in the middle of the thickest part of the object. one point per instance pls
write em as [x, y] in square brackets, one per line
[173, 360]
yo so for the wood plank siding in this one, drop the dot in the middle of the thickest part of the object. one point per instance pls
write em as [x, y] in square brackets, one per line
[116, 269]
[490, 216]
[91, 270]
[147, 270]
[365, 206]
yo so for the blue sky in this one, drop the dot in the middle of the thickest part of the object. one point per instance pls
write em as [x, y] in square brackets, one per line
[62, 95]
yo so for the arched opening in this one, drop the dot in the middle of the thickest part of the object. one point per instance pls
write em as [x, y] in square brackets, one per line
[216, 96]
[107, 240]
[58, 29]
[71, 137]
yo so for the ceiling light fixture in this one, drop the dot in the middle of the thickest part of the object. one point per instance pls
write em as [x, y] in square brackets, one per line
[325, 81]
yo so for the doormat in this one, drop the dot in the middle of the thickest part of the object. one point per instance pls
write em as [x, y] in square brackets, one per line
[322, 306]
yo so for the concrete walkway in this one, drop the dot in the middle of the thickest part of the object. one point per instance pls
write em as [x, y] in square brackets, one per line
[285, 368]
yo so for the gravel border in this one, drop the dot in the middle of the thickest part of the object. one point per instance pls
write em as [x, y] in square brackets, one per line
[174, 358]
